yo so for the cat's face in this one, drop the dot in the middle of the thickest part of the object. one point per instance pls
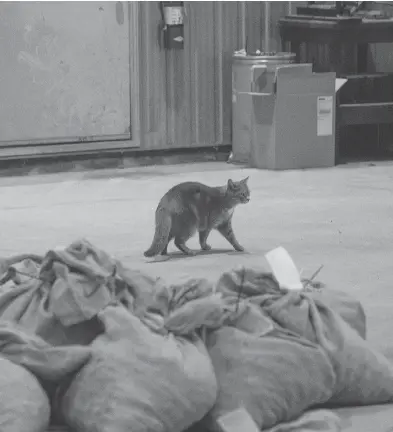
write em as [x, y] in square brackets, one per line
[239, 191]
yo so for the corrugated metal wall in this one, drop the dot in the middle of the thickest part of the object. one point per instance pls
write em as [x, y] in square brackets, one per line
[186, 95]
[179, 98]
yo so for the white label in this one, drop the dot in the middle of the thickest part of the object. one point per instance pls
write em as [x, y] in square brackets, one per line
[284, 269]
[173, 15]
[237, 420]
[325, 116]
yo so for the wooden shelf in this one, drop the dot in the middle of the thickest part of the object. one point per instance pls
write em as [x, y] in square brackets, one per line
[338, 44]
[366, 113]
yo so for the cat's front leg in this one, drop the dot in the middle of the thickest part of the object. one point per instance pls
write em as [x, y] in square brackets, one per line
[225, 229]
[203, 235]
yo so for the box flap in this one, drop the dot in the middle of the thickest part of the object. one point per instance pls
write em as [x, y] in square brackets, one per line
[339, 83]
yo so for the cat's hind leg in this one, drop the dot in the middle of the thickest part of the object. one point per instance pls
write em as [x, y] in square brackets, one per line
[180, 243]
[226, 231]
[203, 235]
[165, 250]
[184, 228]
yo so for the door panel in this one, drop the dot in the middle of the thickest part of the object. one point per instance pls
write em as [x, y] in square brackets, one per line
[65, 71]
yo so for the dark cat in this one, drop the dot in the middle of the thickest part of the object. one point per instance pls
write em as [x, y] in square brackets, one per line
[190, 207]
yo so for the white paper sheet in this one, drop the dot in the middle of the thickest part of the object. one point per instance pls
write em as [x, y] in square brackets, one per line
[284, 269]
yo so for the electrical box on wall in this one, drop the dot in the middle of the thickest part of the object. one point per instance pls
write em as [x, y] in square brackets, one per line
[173, 24]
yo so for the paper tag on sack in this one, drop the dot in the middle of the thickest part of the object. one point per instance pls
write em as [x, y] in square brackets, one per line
[236, 421]
[284, 269]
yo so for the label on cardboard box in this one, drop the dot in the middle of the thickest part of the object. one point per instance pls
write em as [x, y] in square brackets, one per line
[325, 116]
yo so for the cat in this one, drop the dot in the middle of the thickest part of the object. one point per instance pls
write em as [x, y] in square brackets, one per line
[190, 207]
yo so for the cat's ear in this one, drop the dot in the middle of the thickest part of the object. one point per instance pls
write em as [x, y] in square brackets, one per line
[230, 184]
[245, 180]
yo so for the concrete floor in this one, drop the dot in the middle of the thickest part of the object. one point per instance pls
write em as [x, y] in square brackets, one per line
[340, 217]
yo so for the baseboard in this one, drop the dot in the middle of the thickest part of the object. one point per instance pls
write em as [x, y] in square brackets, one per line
[50, 164]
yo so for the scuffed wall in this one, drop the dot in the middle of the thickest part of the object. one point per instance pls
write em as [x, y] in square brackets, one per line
[67, 65]
[186, 95]
[65, 71]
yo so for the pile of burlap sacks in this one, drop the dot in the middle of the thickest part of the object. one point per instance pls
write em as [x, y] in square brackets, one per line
[100, 347]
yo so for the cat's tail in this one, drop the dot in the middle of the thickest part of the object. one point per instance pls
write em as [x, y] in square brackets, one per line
[163, 229]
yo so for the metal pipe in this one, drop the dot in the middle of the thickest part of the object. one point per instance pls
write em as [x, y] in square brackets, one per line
[267, 27]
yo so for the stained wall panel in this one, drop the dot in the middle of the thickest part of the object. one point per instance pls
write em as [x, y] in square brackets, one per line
[182, 98]
[186, 95]
[153, 73]
[254, 25]
[205, 63]
[178, 104]
[229, 38]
